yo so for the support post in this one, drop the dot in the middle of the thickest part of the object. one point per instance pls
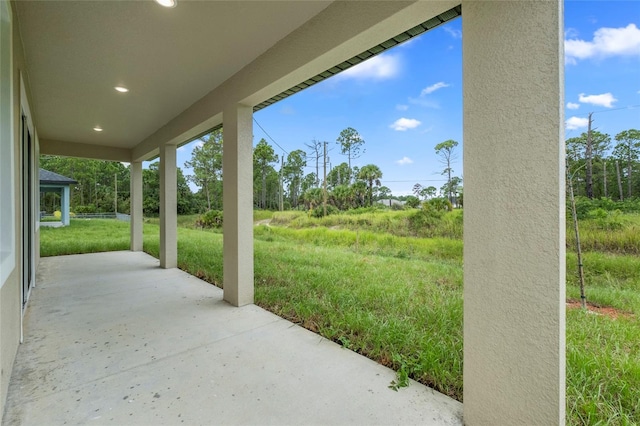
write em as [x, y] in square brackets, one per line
[514, 219]
[64, 208]
[168, 207]
[135, 207]
[237, 163]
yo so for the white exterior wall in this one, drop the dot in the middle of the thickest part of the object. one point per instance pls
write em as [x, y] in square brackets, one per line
[514, 236]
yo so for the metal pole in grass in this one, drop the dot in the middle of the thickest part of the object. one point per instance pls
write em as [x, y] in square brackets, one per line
[583, 298]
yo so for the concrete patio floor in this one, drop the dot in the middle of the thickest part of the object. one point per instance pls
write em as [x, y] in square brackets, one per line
[110, 338]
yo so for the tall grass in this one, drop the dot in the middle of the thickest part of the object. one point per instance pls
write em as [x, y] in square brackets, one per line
[404, 223]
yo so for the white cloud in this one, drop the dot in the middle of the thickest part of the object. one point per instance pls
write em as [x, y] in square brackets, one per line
[606, 42]
[404, 160]
[180, 149]
[199, 144]
[379, 67]
[571, 33]
[401, 107]
[403, 124]
[453, 32]
[433, 88]
[574, 123]
[572, 105]
[605, 99]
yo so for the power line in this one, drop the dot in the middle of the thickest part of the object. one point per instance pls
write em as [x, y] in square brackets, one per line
[417, 180]
[269, 136]
[610, 110]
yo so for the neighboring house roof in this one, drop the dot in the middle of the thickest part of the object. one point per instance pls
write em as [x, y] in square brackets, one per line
[50, 178]
[390, 202]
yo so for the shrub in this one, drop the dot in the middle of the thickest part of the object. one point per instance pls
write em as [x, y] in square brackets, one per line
[598, 213]
[319, 211]
[438, 204]
[89, 208]
[210, 219]
[412, 201]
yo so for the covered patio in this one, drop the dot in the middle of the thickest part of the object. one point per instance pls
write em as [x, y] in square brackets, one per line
[110, 338]
[171, 75]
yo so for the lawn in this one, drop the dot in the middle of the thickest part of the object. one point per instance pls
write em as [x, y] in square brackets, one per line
[370, 286]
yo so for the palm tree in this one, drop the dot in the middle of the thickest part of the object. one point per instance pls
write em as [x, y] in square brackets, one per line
[370, 174]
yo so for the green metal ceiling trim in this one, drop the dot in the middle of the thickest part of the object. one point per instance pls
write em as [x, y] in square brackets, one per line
[375, 50]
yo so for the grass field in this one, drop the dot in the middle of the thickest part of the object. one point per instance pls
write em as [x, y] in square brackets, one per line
[365, 283]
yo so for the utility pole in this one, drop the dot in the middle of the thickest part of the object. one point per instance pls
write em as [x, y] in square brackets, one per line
[115, 199]
[604, 172]
[588, 155]
[583, 298]
[619, 181]
[324, 185]
[281, 194]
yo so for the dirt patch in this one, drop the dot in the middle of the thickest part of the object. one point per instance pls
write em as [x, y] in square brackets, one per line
[608, 311]
[265, 222]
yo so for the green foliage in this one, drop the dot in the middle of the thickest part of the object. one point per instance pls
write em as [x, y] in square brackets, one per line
[86, 209]
[206, 164]
[187, 203]
[339, 175]
[350, 143]
[605, 164]
[263, 157]
[437, 204]
[446, 151]
[292, 173]
[96, 183]
[319, 211]
[371, 174]
[405, 367]
[412, 201]
[210, 219]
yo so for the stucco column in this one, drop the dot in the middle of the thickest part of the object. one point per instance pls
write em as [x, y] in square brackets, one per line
[514, 218]
[168, 207]
[237, 163]
[64, 201]
[135, 206]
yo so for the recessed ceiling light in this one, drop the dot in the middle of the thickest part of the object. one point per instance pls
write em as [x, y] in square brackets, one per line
[121, 89]
[97, 129]
[167, 3]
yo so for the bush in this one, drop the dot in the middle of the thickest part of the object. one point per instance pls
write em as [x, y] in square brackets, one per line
[423, 222]
[89, 208]
[210, 219]
[319, 211]
[598, 213]
[412, 201]
[438, 204]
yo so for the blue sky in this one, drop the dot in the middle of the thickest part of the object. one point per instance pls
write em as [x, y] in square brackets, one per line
[409, 99]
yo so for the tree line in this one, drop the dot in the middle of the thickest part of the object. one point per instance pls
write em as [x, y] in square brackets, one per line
[602, 167]
[280, 182]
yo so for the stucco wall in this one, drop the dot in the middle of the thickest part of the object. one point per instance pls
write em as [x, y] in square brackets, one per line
[514, 248]
[10, 294]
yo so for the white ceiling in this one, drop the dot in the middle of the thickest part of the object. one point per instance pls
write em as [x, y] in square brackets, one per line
[77, 51]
